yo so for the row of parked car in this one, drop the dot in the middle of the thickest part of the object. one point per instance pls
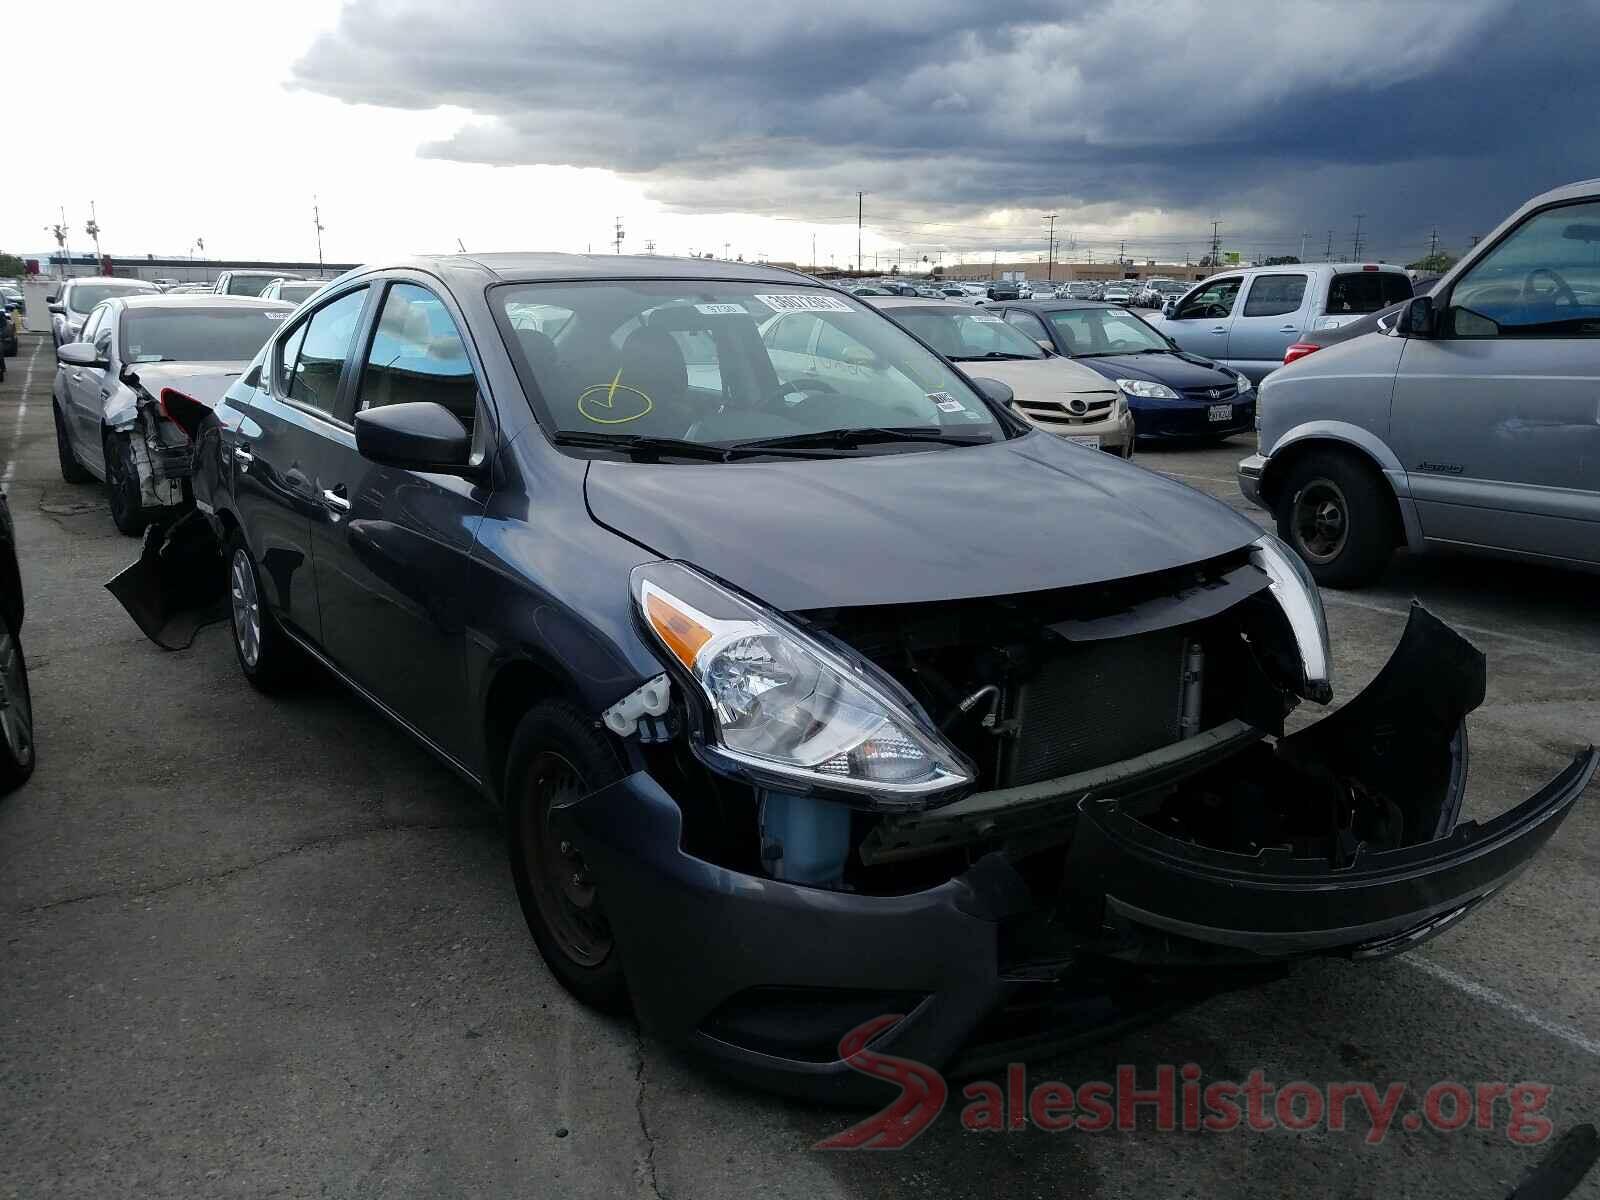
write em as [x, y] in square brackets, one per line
[766, 614]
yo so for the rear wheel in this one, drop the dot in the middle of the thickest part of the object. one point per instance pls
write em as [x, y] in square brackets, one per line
[1333, 511]
[557, 757]
[71, 469]
[16, 713]
[267, 657]
[122, 485]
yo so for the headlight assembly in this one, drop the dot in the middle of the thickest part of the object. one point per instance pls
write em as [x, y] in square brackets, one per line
[787, 709]
[1147, 389]
[1296, 593]
[1245, 386]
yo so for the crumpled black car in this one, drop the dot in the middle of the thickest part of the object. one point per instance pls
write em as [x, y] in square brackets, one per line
[812, 697]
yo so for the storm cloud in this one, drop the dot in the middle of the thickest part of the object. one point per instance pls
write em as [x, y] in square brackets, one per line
[964, 121]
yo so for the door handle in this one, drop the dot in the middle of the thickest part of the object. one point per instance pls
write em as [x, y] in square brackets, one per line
[1288, 329]
[335, 499]
[243, 457]
[1220, 329]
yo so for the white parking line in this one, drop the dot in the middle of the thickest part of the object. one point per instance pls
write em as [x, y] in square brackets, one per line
[1572, 1037]
[22, 412]
[1479, 630]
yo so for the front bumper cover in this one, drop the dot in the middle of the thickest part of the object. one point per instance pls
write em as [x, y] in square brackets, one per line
[695, 936]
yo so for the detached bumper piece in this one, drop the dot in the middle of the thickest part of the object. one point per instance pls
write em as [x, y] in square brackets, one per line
[176, 585]
[1341, 839]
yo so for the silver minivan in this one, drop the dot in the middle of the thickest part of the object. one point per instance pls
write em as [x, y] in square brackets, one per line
[1247, 318]
[1474, 422]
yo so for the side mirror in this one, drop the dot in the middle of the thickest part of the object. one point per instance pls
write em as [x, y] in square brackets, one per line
[1418, 318]
[79, 354]
[59, 310]
[1169, 309]
[1046, 344]
[420, 436]
[994, 391]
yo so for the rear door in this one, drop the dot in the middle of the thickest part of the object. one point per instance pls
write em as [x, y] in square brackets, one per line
[83, 388]
[288, 440]
[392, 545]
[1497, 419]
[1200, 324]
[1270, 316]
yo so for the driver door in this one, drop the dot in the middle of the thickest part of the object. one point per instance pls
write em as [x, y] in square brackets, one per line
[1203, 317]
[1497, 418]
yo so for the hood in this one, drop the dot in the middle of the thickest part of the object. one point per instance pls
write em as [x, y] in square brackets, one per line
[1178, 371]
[1025, 515]
[1053, 376]
[204, 382]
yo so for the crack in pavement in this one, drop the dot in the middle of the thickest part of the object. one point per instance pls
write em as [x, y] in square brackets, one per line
[242, 868]
[649, 1166]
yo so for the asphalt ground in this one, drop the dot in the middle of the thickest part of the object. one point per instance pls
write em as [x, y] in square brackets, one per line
[257, 947]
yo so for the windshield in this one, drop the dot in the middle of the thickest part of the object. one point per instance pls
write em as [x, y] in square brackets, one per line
[196, 334]
[718, 362]
[966, 334]
[81, 298]
[1105, 331]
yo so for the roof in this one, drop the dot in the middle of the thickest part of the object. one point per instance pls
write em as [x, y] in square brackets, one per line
[1063, 305]
[544, 265]
[104, 279]
[165, 300]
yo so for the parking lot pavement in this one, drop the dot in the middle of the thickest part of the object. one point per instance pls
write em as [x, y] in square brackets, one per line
[260, 947]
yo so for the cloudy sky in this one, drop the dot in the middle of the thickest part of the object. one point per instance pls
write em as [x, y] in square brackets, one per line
[751, 126]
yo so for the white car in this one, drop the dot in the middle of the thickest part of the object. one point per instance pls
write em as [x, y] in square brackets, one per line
[71, 306]
[1049, 390]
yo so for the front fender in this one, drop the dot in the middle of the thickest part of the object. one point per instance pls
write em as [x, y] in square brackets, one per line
[1358, 438]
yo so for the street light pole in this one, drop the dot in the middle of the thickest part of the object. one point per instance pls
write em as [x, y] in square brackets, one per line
[859, 196]
[316, 221]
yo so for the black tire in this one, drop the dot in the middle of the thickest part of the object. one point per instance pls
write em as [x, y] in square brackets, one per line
[269, 660]
[557, 754]
[71, 469]
[122, 485]
[1333, 512]
[18, 753]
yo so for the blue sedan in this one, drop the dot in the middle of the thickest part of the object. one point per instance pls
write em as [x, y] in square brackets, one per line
[1172, 393]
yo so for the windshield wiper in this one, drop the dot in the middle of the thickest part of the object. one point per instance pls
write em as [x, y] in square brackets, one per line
[993, 354]
[641, 444]
[849, 439]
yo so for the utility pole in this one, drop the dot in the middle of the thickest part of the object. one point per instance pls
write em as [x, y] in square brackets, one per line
[813, 252]
[59, 232]
[1050, 263]
[1433, 245]
[619, 236]
[859, 196]
[1122, 253]
[316, 223]
[1328, 254]
[92, 228]
[725, 246]
[649, 245]
[1302, 255]
[1355, 246]
[1476, 238]
[1216, 244]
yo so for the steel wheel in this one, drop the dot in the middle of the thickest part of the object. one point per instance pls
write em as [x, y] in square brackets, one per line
[246, 608]
[16, 705]
[1321, 520]
[560, 883]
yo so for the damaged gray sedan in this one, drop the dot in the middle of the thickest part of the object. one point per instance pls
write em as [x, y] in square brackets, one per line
[111, 422]
[800, 715]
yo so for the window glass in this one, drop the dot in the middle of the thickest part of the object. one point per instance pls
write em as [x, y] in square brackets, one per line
[1363, 292]
[1213, 300]
[91, 327]
[1105, 331]
[701, 360]
[287, 353]
[241, 284]
[81, 297]
[418, 356]
[1027, 323]
[792, 334]
[1543, 280]
[196, 334]
[1271, 295]
[296, 292]
[314, 379]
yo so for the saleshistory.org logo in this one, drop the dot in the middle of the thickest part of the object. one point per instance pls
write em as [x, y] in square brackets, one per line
[1177, 1100]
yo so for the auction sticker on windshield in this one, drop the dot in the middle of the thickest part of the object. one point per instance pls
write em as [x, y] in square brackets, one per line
[947, 403]
[720, 310]
[804, 303]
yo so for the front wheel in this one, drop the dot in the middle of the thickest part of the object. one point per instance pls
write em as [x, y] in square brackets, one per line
[556, 757]
[267, 657]
[1332, 510]
[122, 485]
[16, 713]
